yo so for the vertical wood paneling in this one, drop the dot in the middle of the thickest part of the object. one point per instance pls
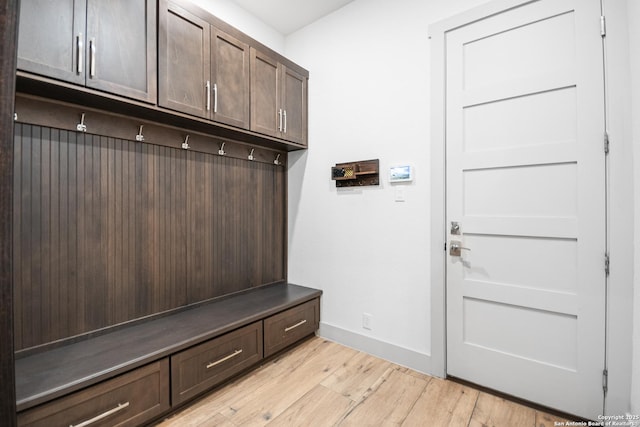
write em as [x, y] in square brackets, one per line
[109, 230]
[18, 305]
[8, 47]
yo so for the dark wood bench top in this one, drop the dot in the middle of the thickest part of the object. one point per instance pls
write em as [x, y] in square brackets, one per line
[45, 376]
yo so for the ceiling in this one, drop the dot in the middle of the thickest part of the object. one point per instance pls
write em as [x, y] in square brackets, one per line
[287, 16]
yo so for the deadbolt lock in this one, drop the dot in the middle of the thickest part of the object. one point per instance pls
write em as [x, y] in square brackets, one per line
[455, 227]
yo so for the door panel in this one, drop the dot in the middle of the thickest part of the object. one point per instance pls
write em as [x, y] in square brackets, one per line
[123, 34]
[230, 75]
[526, 182]
[295, 104]
[52, 33]
[183, 60]
[265, 94]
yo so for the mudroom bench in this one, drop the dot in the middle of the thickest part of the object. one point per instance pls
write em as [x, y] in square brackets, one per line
[141, 371]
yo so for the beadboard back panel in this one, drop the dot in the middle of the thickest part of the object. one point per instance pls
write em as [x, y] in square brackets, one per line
[108, 230]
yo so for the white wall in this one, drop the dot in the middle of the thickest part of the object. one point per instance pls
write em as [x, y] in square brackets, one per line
[234, 15]
[634, 50]
[368, 98]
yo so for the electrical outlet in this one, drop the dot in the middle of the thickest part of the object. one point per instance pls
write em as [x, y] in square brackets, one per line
[366, 321]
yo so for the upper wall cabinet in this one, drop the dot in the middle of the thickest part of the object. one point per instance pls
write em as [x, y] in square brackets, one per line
[203, 70]
[109, 46]
[278, 99]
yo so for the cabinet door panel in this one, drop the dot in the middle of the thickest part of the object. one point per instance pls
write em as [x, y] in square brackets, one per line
[295, 105]
[230, 75]
[283, 329]
[50, 34]
[184, 61]
[265, 94]
[130, 399]
[121, 47]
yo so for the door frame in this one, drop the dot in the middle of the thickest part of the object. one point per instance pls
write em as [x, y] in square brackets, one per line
[620, 195]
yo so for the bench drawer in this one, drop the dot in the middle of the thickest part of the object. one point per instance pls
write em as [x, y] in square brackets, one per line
[203, 366]
[283, 329]
[127, 400]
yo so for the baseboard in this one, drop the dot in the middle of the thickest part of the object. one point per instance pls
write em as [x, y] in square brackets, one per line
[399, 355]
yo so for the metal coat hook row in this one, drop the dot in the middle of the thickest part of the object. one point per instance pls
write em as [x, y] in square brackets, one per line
[251, 154]
[81, 127]
[140, 136]
[185, 144]
[221, 150]
[277, 160]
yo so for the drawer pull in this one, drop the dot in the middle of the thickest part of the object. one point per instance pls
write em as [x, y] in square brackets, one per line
[224, 359]
[120, 407]
[300, 323]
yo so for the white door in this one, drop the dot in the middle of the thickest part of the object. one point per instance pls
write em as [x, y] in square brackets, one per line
[526, 183]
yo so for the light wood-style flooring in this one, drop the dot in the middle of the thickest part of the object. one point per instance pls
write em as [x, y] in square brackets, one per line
[321, 383]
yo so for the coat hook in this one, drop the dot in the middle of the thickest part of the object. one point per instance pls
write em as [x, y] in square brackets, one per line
[185, 144]
[277, 160]
[251, 154]
[221, 150]
[140, 136]
[81, 126]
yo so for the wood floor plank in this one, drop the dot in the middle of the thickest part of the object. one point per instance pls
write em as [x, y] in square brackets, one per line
[547, 420]
[315, 384]
[389, 404]
[256, 407]
[356, 375]
[493, 411]
[295, 358]
[443, 403]
[318, 408]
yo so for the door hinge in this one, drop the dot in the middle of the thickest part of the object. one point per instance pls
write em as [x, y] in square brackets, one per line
[605, 381]
[603, 26]
[445, 246]
[606, 143]
[606, 264]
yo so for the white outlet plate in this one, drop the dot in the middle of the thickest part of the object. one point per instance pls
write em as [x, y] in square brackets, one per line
[367, 320]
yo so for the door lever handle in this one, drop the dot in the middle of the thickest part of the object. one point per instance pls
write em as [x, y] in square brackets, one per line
[456, 248]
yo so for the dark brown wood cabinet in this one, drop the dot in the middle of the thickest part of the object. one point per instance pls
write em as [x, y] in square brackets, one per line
[128, 400]
[284, 329]
[202, 367]
[108, 46]
[203, 70]
[229, 79]
[278, 99]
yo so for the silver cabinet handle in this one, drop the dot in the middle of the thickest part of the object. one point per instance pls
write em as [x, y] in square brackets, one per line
[97, 418]
[224, 359]
[300, 323]
[80, 47]
[215, 97]
[92, 60]
[207, 87]
[285, 121]
[280, 120]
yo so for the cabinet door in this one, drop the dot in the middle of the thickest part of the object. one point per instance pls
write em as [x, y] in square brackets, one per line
[266, 114]
[229, 79]
[184, 61]
[51, 38]
[294, 128]
[121, 47]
